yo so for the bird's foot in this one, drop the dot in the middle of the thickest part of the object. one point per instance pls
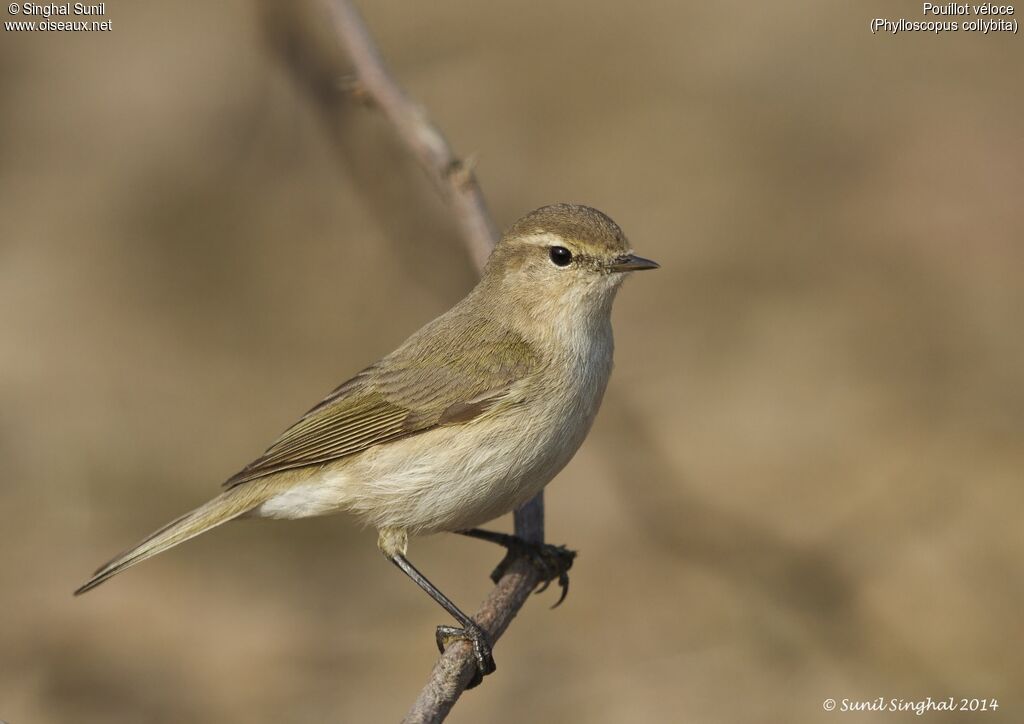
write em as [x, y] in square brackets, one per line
[553, 562]
[481, 648]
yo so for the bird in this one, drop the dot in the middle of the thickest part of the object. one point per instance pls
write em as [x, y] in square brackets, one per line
[467, 420]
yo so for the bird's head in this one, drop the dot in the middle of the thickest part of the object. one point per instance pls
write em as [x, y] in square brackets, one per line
[563, 255]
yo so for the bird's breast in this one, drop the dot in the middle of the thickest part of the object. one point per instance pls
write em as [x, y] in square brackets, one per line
[461, 476]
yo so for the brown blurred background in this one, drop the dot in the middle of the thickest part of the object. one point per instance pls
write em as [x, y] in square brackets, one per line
[805, 482]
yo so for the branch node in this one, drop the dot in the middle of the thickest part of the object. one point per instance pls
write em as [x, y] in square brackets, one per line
[461, 172]
[353, 87]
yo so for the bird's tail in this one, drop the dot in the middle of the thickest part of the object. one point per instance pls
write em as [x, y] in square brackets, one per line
[226, 506]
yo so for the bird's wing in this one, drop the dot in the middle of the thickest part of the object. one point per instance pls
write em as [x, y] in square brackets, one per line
[430, 385]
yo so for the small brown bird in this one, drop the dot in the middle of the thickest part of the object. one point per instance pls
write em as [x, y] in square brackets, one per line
[471, 417]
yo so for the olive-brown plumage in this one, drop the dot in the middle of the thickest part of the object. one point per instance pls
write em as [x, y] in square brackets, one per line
[469, 418]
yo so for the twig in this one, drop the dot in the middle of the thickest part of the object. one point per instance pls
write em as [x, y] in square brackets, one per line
[456, 180]
[452, 175]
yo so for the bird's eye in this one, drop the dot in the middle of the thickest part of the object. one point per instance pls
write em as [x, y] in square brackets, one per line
[560, 256]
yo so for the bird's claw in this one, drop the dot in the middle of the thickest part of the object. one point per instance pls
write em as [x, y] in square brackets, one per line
[481, 648]
[553, 562]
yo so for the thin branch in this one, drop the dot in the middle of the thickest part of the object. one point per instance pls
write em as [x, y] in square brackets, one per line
[457, 182]
[453, 176]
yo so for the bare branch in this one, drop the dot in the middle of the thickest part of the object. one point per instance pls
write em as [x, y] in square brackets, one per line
[457, 182]
[453, 176]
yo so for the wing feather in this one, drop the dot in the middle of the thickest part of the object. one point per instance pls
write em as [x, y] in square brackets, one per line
[429, 382]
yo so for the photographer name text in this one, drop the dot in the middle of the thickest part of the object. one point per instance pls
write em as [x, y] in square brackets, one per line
[67, 9]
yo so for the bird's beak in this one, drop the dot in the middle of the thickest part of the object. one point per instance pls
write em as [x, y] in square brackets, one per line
[632, 262]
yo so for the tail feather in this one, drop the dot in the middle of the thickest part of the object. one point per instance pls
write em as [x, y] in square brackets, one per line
[226, 506]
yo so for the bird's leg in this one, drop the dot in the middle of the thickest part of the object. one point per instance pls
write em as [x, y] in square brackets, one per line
[470, 631]
[552, 561]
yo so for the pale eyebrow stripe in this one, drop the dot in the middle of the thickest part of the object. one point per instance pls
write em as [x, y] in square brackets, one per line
[547, 238]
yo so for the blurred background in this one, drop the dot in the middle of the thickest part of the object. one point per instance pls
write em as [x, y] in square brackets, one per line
[806, 479]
